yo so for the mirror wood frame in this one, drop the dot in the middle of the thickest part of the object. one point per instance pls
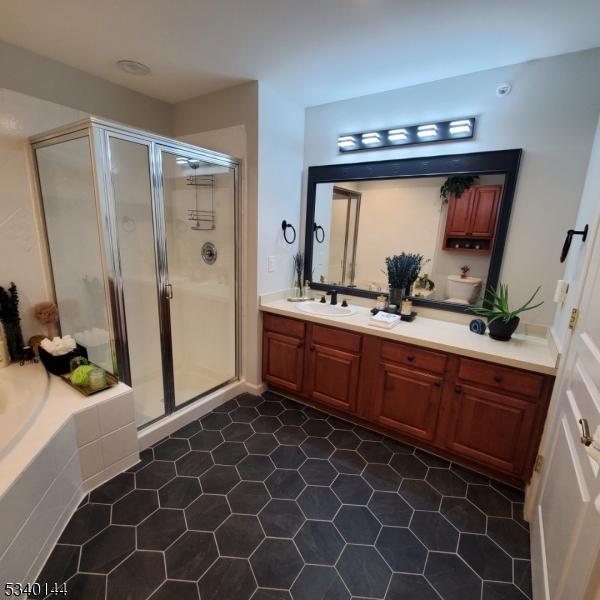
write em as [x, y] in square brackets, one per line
[503, 162]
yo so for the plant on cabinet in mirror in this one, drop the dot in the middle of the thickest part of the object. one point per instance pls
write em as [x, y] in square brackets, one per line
[456, 185]
[502, 319]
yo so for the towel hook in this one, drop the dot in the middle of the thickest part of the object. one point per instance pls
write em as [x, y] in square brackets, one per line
[316, 229]
[567, 245]
[284, 226]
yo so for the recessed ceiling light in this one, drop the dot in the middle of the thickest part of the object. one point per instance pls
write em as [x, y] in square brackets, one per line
[132, 67]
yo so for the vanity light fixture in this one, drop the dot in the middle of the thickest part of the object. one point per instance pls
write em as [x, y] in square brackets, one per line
[426, 133]
[346, 142]
[370, 138]
[397, 135]
[462, 126]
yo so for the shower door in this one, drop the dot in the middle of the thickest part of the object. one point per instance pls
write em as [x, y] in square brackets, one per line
[173, 216]
[198, 273]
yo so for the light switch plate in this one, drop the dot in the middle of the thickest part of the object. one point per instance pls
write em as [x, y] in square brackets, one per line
[561, 291]
[271, 264]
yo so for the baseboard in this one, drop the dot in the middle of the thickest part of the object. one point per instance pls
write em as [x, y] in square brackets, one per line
[157, 431]
[256, 389]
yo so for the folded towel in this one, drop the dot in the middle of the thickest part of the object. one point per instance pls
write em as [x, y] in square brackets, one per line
[384, 320]
[59, 346]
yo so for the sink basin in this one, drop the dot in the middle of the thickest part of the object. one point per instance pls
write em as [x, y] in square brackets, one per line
[317, 308]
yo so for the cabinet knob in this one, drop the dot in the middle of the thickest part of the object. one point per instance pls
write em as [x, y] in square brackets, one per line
[458, 389]
[410, 358]
[437, 383]
[312, 348]
[497, 378]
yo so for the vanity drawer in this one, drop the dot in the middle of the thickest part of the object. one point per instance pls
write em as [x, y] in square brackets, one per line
[501, 378]
[414, 357]
[283, 325]
[344, 340]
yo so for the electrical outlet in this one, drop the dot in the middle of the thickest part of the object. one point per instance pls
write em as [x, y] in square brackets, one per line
[271, 264]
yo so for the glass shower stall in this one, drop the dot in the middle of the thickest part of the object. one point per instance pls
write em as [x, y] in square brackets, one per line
[142, 236]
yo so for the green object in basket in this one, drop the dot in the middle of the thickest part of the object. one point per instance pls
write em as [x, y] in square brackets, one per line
[81, 375]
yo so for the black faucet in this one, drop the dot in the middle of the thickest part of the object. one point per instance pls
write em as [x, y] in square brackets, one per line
[333, 294]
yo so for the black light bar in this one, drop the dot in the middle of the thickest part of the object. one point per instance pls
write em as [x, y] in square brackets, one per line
[426, 133]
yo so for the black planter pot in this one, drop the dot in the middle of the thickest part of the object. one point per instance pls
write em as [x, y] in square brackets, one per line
[503, 330]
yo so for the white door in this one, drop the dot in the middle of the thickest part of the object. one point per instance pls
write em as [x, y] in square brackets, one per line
[566, 526]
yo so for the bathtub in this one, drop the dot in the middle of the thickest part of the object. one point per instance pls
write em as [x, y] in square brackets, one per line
[55, 446]
[23, 393]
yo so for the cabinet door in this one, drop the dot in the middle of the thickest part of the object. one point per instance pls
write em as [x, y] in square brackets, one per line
[333, 377]
[484, 211]
[407, 401]
[283, 360]
[490, 428]
[459, 219]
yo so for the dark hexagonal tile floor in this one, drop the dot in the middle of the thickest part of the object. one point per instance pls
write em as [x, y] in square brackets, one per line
[266, 499]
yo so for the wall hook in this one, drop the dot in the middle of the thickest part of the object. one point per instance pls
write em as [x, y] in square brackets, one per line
[316, 229]
[284, 226]
[567, 245]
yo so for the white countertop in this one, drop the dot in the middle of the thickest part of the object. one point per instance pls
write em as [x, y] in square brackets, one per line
[522, 351]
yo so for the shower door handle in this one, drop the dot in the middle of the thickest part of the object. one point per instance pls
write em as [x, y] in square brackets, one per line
[169, 290]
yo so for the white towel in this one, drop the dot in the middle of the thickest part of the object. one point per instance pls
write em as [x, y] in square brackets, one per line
[59, 346]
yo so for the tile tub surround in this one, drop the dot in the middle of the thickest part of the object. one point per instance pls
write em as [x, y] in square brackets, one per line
[265, 498]
[74, 444]
[528, 352]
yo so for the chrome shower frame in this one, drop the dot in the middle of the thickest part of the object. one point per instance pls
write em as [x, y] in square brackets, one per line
[99, 132]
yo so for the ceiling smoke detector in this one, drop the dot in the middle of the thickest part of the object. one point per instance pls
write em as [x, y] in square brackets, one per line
[504, 89]
[132, 67]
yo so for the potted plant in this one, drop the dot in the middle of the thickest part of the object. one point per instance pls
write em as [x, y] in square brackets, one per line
[11, 321]
[402, 271]
[464, 271]
[457, 185]
[503, 320]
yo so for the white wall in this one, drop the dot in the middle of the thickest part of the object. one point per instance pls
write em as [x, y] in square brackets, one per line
[281, 146]
[22, 256]
[551, 114]
[589, 212]
[35, 75]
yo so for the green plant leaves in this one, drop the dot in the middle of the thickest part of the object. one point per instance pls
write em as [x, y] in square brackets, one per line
[500, 308]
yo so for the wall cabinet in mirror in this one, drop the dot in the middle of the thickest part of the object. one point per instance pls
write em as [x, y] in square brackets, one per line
[471, 220]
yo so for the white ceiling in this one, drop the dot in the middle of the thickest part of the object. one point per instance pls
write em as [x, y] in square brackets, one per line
[314, 51]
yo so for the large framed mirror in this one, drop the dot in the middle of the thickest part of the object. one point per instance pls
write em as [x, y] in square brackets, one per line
[453, 210]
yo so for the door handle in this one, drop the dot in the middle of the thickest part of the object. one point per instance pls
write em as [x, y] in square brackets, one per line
[586, 438]
[169, 291]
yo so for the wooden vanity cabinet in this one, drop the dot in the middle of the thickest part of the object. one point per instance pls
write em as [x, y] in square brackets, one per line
[283, 352]
[333, 367]
[406, 389]
[485, 415]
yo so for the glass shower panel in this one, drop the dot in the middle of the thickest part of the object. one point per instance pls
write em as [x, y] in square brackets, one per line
[67, 188]
[130, 172]
[199, 213]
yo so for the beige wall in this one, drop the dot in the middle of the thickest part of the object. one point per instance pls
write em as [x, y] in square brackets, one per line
[228, 121]
[551, 113]
[46, 79]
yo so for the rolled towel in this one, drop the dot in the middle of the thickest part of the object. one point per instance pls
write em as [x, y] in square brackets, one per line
[59, 346]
